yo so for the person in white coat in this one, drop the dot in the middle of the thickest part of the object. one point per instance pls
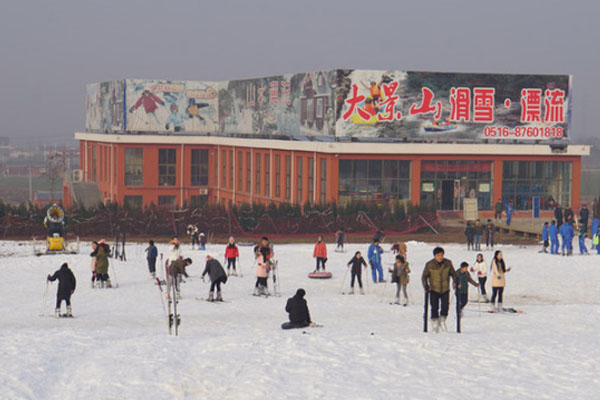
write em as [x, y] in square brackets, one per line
[479, 269]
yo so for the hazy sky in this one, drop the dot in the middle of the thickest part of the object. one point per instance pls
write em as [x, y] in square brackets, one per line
[51, 49]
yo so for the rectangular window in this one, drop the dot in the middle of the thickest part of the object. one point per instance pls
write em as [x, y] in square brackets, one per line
[311, 179]
[240, 172]
[94, 163]
[267, 175]
[288, 177]
[231, 169]
[277, 175]
[167, 167]
[300, 170]
[134, 167]
[223, 169]
[199, 167]
[257, 179]
[198, 201]
[248, 172]
[323, 180]
[132, 202]
[167, 201]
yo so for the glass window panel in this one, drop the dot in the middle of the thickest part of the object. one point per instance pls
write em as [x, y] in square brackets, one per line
[375, 169]
[390, 169]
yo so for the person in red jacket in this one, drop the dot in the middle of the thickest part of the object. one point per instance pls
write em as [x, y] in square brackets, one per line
[320, 253]
[231, 254]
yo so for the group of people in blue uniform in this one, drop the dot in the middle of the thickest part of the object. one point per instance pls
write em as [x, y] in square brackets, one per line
[567, 232]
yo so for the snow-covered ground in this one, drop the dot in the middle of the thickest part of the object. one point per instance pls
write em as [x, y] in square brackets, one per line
[117, 346]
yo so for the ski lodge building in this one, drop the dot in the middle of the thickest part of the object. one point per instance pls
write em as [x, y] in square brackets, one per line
[334, 136]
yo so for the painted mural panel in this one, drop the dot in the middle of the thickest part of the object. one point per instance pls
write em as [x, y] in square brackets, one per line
[429, 105]
[104, 106]
[177, 106]
[292, 104]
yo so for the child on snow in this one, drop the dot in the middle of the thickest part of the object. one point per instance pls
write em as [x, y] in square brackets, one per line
[400, 277]
[320, 253]
[66, 287]
[151, 258]
[94, 261]
[464, 278]
[356, 264]
[231, 254]
[217, 275]
[480, 270]
[498, 281]
[262, 273]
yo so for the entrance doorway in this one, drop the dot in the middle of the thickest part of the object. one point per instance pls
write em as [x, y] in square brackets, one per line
[447, 195]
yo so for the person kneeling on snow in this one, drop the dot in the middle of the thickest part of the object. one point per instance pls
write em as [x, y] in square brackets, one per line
[217, 275]
[298, 309]
[66, 287]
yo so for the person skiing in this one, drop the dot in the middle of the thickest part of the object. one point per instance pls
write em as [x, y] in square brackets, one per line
[151, 256]
[490, 231]
[498, 281]
[102, 265]
[581, 235]
[94, 262]
[203, 241]
[478, 233]
[510, 209]
[66, 287]
[400, 278]
[176, 270]
[374, 256]
[264, 247]
[340, 236]
[298, 311]
[584, 215]
[355, 265]
[320, 253]
[232, 253]
[480, 270]
[262, 273]
[553, 234]
[558, 215]
[470, 234]
[545, 237]
[436, 281]
[217, 275]
[175, 250]
[464, 278]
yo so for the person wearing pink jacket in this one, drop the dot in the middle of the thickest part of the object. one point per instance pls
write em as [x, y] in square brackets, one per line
[262, 273]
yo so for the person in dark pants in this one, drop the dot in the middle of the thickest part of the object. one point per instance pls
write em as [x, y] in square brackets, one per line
[470, 234]
[584, 215]
[232, 253]
[356, 264]
[569, 215]
[558, 214]
[464, 278]
[499, 207]
[66, 287]
[480, 270]
[151, 257]
[217, 275]
[436, 281]
[298, 311]
[498, 281]
[490, 230]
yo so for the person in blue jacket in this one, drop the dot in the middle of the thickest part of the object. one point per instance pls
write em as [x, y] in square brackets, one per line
[545, 237]
[572, 236]
[595, 227]
[509, 212]
[374, 256]
[564, 235]
[553, 233]
[581, 234]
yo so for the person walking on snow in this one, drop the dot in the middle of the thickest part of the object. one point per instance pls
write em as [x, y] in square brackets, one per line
[217, 275]
[498, 281]
[151, 256]
[480, 270]
[553, 233]
[581, 234]
[545, 237]
[436, 281]
[374, 256]
[509, 212]
[320, 253]
[355, 264]
[400, 277]
[298, 311]
[464, 278]
[66, 287]
[232, 254]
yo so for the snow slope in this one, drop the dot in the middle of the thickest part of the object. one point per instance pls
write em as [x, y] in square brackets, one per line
[118, 346]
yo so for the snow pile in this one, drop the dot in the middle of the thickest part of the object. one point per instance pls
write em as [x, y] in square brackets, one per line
[117, 346]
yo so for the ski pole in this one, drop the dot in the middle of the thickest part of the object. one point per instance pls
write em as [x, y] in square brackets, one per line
[44, 298]
[343, 280]
[425, 310]
[115, 274]
[457, 312]
[383, 292]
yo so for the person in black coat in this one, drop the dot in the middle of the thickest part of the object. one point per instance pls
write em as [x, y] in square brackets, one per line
[558, 215]
[298, 309]
[355, 265]
[569, 216]
[66, 287]
[584, 215]
[217, 275]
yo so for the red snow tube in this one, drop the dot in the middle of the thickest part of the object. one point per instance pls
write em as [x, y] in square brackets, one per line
[320, 275]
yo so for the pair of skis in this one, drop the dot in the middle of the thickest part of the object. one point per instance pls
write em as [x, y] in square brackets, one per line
[426, 311]
[172, 316]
